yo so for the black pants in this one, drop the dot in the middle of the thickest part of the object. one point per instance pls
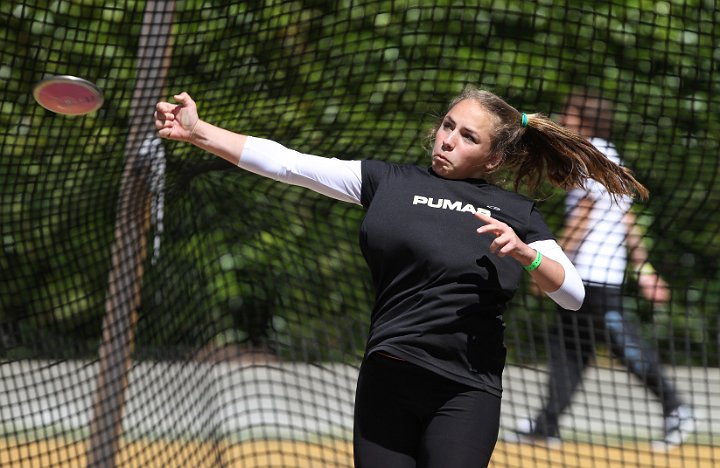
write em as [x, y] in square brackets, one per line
[573, 342]
[407, 417]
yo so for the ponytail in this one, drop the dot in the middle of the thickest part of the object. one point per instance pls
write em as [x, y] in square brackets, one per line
[535, 149]
[568, 159]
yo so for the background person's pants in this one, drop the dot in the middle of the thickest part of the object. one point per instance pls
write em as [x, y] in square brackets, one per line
[600, 321]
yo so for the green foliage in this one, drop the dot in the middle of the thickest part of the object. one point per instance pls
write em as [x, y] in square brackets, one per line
[245, 259]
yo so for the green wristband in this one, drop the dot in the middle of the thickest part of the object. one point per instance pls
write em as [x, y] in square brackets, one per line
[535, 263]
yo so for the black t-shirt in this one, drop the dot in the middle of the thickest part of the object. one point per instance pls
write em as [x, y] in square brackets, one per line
[440, 293]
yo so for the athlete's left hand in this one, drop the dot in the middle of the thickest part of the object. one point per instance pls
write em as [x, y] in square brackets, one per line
[506, 240]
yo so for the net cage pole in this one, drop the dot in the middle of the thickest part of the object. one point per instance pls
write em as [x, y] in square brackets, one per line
[130, 244]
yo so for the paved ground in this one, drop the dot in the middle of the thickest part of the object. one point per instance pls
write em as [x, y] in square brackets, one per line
[241, 401]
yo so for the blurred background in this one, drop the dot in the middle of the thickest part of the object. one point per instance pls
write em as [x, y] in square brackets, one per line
[158, 305]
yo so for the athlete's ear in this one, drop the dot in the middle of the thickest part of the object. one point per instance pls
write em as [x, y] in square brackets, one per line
[493, 162]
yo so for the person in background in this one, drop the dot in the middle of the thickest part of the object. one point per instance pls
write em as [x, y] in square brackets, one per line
[600, 236]
[446, 247]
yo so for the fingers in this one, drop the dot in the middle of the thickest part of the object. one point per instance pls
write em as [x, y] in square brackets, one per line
[500, 243]
[165, 107]
[491, 225]
[176, 121]
[483, 217]
[506, 240]
[164, 111]
[168, 110]
[183, 98]
[164, 132]
[163, 114]
[165, 119]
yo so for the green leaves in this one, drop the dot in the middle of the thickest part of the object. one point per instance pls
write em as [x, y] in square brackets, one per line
[348, 79]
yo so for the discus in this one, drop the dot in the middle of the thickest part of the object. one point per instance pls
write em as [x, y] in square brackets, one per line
[68, 95]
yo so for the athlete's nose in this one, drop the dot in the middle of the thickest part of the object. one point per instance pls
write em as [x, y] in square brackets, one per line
[448, 142]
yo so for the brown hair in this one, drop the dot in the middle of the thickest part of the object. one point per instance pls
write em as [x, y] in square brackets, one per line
[544, 149]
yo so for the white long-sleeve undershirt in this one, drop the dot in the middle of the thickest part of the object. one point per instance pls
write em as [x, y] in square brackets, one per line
[342, 180]
[332, 177]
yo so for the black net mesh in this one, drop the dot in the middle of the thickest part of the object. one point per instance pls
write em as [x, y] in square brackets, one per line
[159, 307]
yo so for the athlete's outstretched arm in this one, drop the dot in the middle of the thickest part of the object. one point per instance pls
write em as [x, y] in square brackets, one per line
[332, 177]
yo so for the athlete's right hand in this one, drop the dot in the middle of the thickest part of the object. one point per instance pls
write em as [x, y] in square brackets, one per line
[176, 121]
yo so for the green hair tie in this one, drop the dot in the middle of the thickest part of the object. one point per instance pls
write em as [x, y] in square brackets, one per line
[524, 120]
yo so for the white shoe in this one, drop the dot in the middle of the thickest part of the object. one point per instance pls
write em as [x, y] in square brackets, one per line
[680, 424]
[525, 433]
[524, 426]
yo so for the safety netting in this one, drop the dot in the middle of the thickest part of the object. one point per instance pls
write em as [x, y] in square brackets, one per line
[160, 307]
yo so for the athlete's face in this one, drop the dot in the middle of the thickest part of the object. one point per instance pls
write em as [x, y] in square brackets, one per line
[462, 143]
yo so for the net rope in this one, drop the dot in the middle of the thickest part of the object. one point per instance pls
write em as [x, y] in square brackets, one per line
[159, 307]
